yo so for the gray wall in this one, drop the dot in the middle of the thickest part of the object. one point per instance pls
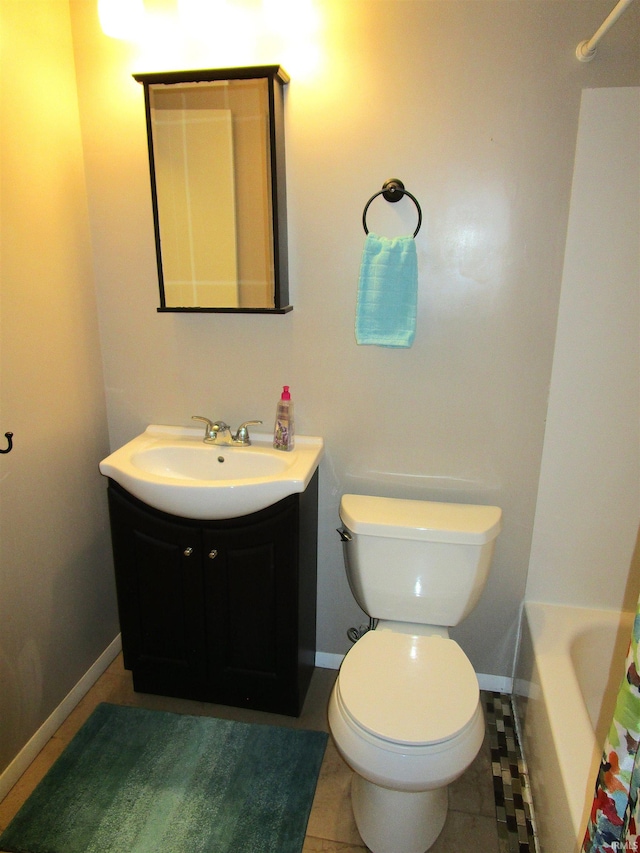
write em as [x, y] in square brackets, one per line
[57, 601]
[474, 105]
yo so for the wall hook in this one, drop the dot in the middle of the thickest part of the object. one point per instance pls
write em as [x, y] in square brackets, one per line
[9, 437]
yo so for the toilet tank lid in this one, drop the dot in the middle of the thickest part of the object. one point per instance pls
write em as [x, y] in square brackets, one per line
[424, 520]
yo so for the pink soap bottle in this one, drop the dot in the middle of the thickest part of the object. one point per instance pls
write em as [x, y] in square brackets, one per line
[283, 431]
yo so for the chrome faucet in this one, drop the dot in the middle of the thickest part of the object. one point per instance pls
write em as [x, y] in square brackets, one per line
[218, 432]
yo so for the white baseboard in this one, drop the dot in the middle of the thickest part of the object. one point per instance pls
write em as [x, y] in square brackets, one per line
[325, 660]
[23, 759]
[494, 683]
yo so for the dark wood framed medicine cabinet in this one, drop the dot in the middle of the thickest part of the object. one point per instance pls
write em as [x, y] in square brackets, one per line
[218, 186]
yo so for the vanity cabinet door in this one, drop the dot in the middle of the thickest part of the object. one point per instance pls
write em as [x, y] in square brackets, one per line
[251, 594]
[219, 611]
[160, 598]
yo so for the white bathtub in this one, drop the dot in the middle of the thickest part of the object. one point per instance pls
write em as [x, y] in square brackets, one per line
[569, 668]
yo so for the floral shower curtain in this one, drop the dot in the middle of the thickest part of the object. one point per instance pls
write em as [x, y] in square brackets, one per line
[614, 823]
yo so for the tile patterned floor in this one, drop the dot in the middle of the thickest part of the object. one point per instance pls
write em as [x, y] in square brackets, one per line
[489, 809]
[514, 811]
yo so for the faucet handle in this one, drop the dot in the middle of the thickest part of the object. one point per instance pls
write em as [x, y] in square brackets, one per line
[242, 436]
[208, 430]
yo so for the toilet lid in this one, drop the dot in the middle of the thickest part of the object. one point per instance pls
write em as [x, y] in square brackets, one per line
[409, 689]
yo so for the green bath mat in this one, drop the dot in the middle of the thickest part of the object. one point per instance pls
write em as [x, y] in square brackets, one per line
[138, 781]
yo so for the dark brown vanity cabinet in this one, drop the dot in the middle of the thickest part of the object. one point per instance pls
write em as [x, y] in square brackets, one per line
[219, 611]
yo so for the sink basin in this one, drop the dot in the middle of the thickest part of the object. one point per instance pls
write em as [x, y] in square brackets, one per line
[197, 462]
[173, 470]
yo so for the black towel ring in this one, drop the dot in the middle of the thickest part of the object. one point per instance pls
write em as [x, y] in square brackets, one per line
[392, 190]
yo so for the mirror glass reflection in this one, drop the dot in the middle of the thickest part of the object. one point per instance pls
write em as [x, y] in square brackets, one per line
[216, 149]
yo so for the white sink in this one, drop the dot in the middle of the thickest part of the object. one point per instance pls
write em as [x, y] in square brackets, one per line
[173, 470]
[198, 462]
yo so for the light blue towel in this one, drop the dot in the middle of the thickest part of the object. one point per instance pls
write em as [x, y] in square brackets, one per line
[387, 292]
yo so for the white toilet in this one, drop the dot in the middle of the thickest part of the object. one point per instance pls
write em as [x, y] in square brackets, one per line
[405, 712]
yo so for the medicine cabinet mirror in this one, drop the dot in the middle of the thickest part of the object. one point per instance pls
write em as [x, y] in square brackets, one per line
[217, 159]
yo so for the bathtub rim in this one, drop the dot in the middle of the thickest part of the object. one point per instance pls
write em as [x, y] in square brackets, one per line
[548, 672]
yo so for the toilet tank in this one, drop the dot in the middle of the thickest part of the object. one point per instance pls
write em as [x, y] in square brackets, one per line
[417, 561]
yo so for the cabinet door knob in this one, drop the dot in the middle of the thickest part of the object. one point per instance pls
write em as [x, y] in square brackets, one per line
[188, 552]
[213, 554]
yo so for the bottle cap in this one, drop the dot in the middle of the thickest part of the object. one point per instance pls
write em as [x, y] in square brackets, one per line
[285, 393]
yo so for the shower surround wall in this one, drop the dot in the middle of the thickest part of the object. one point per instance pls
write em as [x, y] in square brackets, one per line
[588, 507]
[474, 105]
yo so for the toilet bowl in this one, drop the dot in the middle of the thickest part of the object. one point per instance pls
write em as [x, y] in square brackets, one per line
[405, 711]
[398, 724]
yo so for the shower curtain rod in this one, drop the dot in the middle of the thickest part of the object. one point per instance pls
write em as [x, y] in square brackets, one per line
[586, 50]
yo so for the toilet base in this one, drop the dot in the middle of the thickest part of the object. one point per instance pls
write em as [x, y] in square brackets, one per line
[397, 821]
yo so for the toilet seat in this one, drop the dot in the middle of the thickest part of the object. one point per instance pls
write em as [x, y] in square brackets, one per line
[407, 689]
